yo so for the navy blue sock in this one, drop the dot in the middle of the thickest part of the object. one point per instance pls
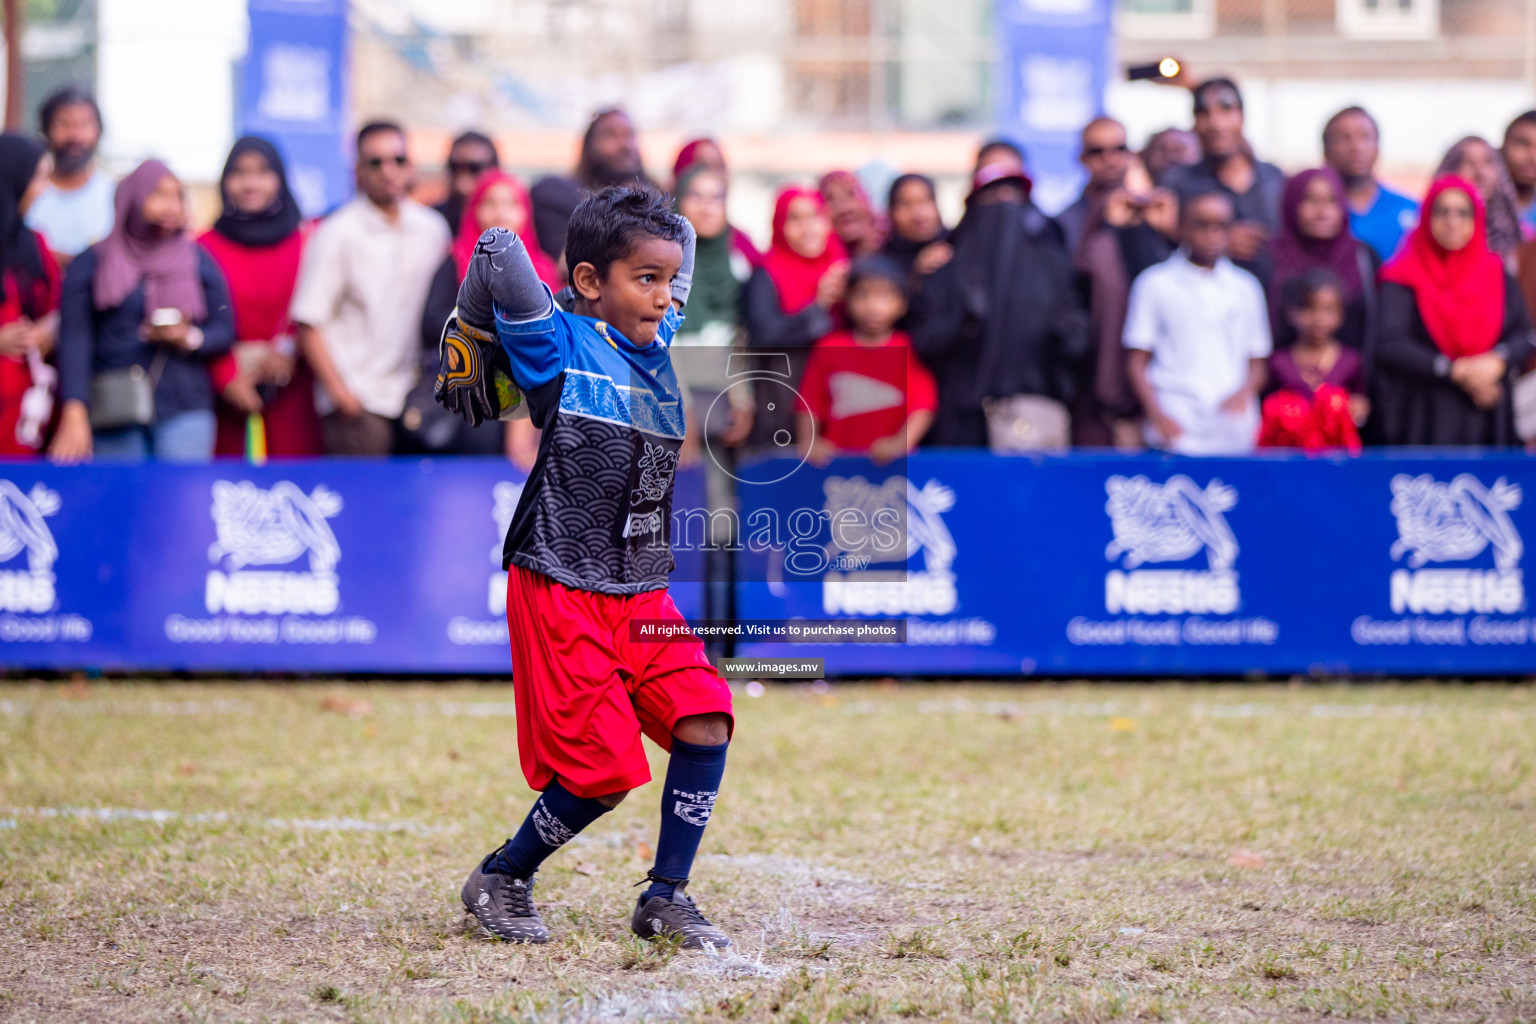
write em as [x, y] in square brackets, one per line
[556, 817]
[693, 781]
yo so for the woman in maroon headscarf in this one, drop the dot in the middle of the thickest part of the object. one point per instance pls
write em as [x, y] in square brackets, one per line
[790, 298]
[1314, 235]
[707, 153]
[857, 223]
[146, 303]
[1454, 327]
[698, 151]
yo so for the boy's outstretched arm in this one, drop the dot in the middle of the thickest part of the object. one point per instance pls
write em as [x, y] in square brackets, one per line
[682, 284]
[501, 275]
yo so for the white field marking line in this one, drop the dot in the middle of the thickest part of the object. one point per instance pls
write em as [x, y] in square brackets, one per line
[460, 709]
[110, 815]
[729, 963]
[966, 706]
[615, 1006]
[1256, 709]
[1109, 709]
[351, 825]
[129, 707]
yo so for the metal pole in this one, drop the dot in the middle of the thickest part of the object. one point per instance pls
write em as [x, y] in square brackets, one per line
[15, 66]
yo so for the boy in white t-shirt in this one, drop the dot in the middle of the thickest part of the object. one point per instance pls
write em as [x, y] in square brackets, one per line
[1197, 335]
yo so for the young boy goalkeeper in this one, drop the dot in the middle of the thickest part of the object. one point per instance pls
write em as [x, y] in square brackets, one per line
[588, 550]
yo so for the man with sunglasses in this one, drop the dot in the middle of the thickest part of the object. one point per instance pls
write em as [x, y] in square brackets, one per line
[1106, 157]
[360, 293]
[471, 157]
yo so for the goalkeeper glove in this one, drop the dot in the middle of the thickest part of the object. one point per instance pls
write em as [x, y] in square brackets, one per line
[474, 377]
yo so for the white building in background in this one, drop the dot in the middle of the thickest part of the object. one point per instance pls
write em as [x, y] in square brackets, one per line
[794, 85]
[165, 79]
[1431, 71]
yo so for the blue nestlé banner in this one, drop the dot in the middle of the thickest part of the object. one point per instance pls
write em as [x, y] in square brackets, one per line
[1052, 66]
[1154, 565]
[1071, 565]
[309, 566]
[294, 91]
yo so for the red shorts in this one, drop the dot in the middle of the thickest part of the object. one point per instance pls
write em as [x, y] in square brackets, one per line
[586, 690]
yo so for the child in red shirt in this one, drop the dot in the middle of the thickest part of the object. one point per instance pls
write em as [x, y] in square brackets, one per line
[864, 388]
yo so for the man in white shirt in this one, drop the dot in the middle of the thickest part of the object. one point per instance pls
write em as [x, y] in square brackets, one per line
[1197, 338]
[360, 294]
[75, 212]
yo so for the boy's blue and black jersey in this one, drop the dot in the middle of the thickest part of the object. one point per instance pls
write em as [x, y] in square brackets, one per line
[596, 511]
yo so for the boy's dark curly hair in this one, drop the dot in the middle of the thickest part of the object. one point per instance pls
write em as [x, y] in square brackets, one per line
[610, 225]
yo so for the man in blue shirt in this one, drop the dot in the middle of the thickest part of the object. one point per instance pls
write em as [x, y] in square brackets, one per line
[1378, 216]
[1519, 152]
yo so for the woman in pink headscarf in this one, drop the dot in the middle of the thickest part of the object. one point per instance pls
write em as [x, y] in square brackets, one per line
[146, 297]
[859, 226]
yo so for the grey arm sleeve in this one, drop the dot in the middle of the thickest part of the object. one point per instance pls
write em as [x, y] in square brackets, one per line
[683, 283]
[501, 276]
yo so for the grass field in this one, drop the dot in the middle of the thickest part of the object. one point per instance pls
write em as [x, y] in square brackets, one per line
[1073, 853]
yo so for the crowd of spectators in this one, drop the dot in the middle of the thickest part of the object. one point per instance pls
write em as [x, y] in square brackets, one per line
[1193, 298]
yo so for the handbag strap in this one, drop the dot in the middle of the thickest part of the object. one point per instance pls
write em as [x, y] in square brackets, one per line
[157, 367]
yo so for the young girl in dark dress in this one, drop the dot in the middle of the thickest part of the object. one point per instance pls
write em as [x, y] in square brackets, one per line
[1321, 398]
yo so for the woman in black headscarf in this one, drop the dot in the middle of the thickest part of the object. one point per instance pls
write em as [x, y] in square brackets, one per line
[29, 301]
[1001, 324]
[258, 242]
[918, 241]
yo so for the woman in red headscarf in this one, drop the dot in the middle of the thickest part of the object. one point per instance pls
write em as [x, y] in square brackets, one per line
[1454, 327]
[790, 299]
[498, 201]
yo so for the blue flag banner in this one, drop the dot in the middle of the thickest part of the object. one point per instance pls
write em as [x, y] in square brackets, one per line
[295, 92]
[1053, 63]
[306, 566]
[1153, 565]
